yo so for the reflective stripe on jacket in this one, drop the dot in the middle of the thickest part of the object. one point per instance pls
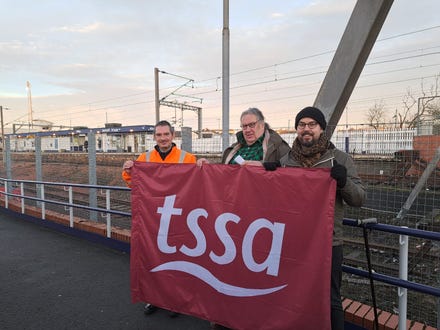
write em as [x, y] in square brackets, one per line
[176, 156]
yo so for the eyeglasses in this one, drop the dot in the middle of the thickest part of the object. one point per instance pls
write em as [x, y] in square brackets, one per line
[250, 125]
[311, 125]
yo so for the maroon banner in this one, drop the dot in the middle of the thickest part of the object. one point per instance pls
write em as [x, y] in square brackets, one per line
[239, 246]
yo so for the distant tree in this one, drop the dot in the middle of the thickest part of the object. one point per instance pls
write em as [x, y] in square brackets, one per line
[432, 104]
[376, 114]
[407, 116]
[415, 109]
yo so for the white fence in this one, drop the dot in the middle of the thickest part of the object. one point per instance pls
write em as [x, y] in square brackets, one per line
[379, 142]
[356, 141]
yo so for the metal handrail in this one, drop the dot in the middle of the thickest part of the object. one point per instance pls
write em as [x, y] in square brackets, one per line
[79, 206]
[432, 235]
[80, 185]
[401, 283]
[68, 205]
[389, 279]
[394, 281]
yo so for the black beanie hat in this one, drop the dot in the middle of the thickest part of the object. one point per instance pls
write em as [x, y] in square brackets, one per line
[311, 112]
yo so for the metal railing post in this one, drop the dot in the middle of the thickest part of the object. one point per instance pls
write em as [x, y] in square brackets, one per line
[107, 204]
[22, 198]
[438, 310]
[91, 152]
[403, 274]
[43, 204]
[38, 164]
[8, 163]
[6, 196]
[70, 207]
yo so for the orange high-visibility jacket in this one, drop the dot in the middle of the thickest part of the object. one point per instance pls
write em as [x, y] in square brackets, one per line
[175, 156]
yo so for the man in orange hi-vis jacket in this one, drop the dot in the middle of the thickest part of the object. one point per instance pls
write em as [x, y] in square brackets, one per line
[165, 151]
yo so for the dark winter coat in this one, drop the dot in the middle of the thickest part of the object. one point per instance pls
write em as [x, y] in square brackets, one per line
[274, 147]
[353, 193]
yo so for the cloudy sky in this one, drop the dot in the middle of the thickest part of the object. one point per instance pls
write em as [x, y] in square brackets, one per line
[92, 62]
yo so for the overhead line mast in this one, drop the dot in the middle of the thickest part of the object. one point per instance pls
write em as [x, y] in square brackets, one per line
[30, 111]
[175, 104]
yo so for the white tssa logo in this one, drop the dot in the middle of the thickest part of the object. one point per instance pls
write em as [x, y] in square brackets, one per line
[270, 264]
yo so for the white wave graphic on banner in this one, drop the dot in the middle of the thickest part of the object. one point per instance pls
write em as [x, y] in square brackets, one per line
[206, 276]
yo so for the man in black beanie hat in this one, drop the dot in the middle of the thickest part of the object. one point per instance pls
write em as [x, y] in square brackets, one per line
[312, 148]
[311, 112]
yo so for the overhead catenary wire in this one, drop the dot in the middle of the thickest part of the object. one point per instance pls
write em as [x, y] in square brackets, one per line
[273, 81]
[304, 58]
